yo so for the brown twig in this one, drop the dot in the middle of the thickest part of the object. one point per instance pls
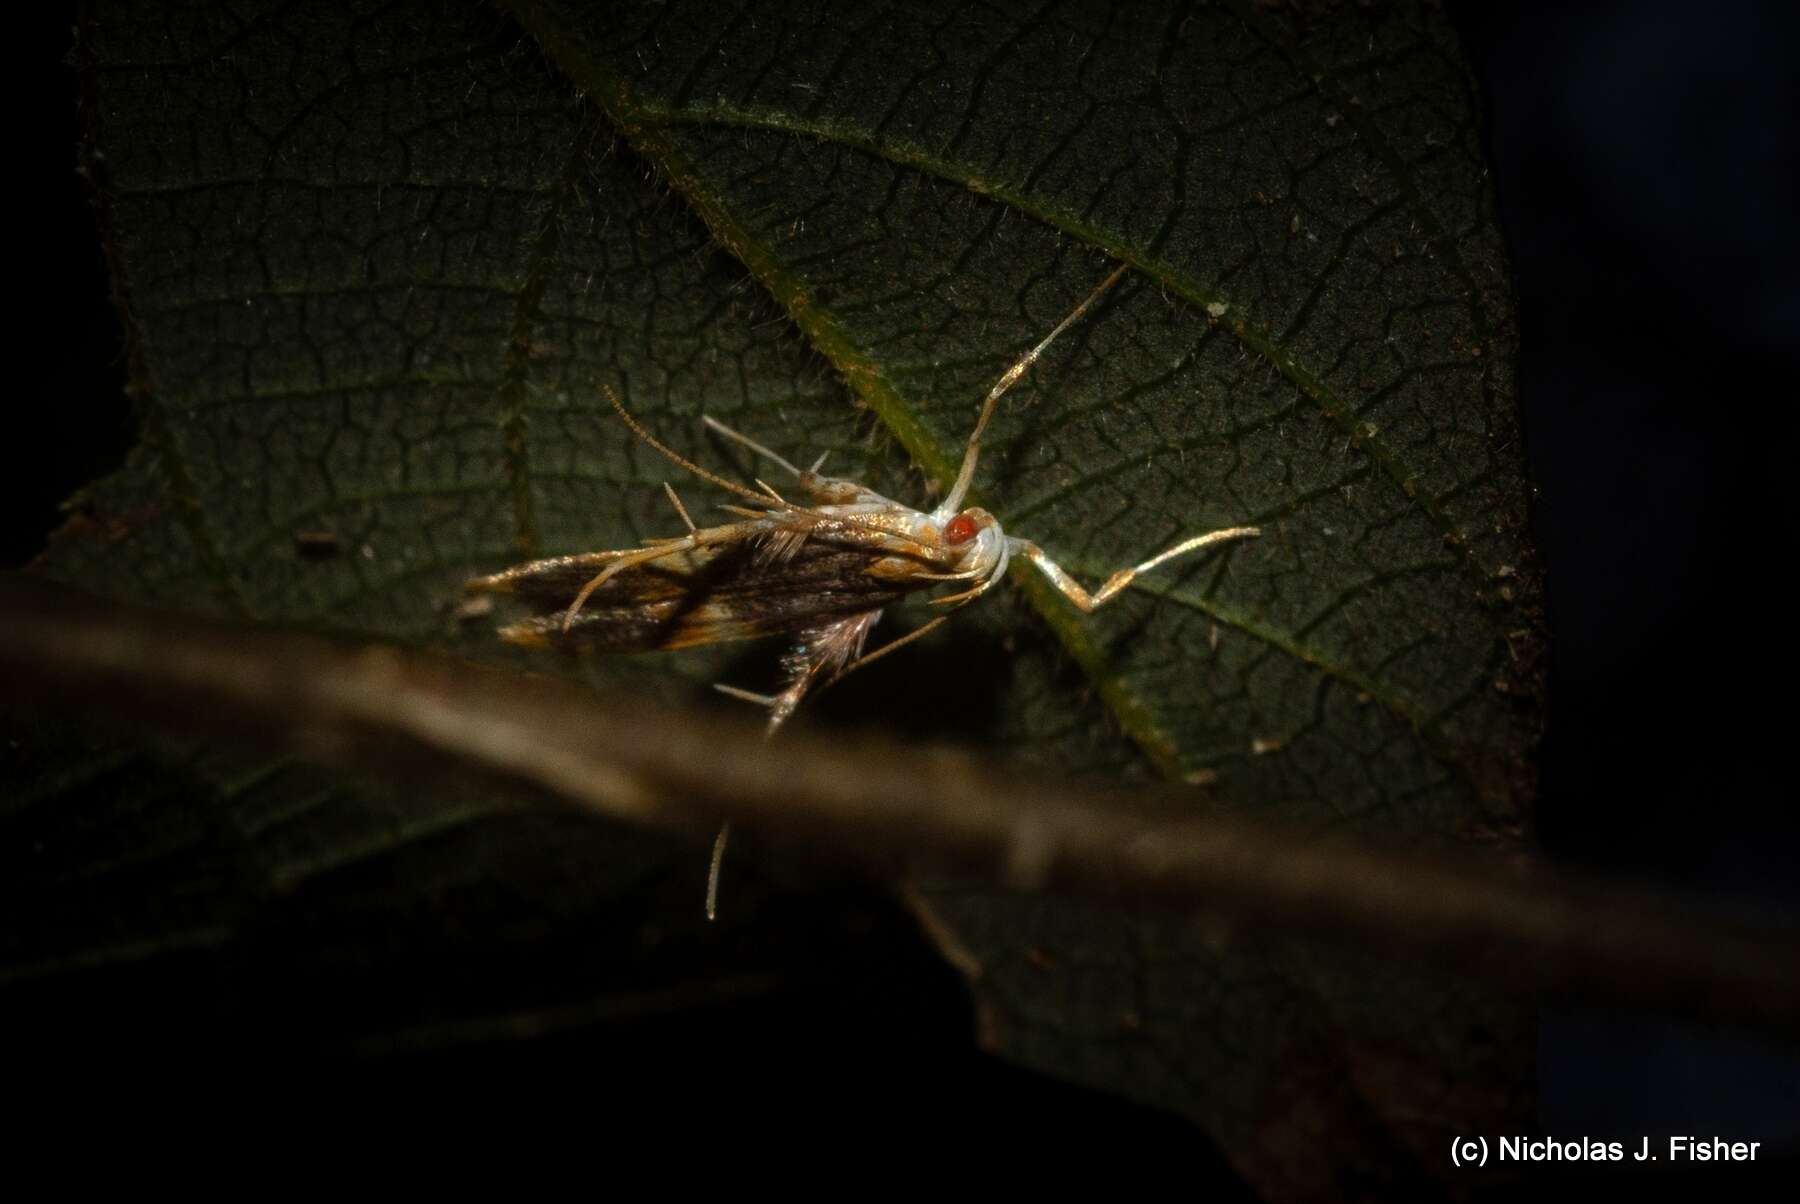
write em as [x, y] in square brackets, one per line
[377, 708]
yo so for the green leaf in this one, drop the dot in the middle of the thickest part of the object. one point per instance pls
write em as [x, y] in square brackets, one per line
[375, 264]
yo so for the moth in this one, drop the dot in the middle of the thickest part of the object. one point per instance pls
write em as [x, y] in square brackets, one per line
[818, 569]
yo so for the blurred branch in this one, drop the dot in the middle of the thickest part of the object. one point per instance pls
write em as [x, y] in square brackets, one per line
[891, 805]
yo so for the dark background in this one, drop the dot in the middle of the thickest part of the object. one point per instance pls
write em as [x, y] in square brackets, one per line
[1647, 161]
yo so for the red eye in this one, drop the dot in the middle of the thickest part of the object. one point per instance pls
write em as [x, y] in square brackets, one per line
[960, 529]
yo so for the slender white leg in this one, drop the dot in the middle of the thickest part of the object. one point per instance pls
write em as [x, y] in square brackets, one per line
[679, 508]
[826, 652]
[618, 566]
[712, 873]
[1072, 589]
[746, 441]
[780, 707]
[822, 490]
[918, 632]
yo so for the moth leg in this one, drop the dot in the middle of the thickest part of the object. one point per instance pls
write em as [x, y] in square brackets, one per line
[713, 867]
[987, 583]
[822, 490]
[675, 499]
[821, 651]
[761, 700]
[966, 474]
[1072, 590]
[629, 560]
[717, 863]
[720, 428]
[780, 707]
[658, 549]
[918, 632]
[967, 596]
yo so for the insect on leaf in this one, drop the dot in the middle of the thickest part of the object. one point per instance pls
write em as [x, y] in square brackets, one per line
[375, 265]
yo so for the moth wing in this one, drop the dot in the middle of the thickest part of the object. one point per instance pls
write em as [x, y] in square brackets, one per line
[543, 584]
[704, 595]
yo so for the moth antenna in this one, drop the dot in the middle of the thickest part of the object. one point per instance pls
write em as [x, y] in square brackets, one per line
[679, 508]
[673, 456]
[715, 425]
[819, 463]
[965, 476]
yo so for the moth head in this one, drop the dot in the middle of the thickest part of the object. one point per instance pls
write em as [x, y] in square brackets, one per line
[968, 526]
[977, 536]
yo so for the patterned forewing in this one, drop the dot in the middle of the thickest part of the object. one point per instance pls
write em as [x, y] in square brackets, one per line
[700, 596]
